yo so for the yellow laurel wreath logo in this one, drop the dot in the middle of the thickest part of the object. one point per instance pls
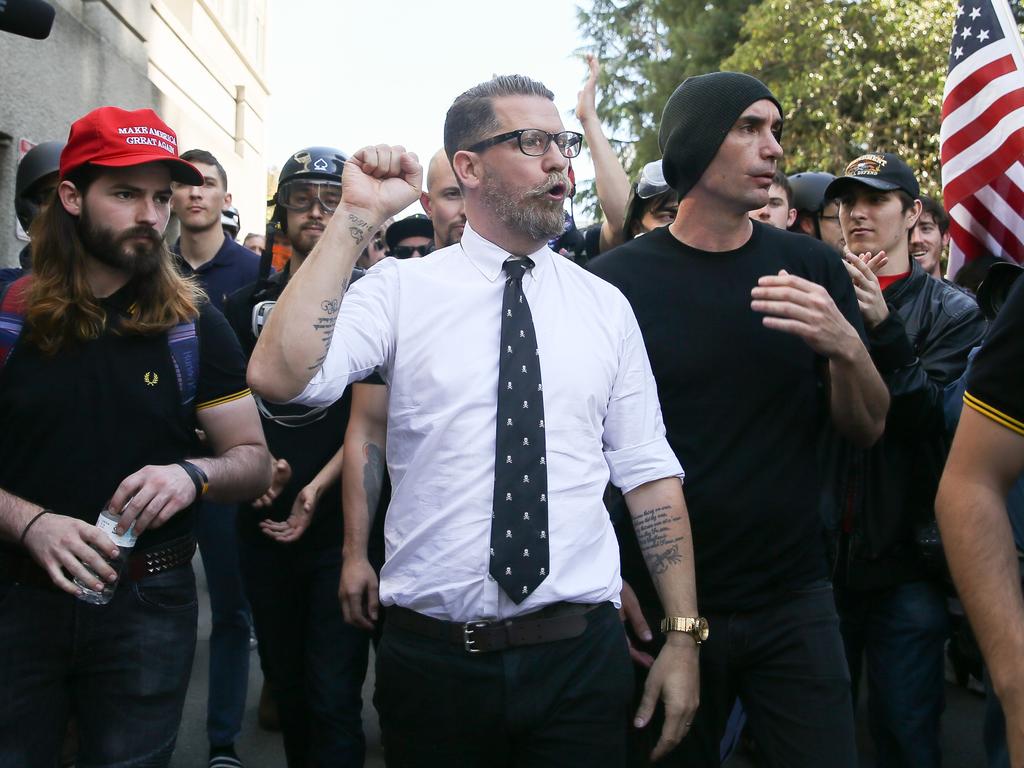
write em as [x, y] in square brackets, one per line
[151, 379]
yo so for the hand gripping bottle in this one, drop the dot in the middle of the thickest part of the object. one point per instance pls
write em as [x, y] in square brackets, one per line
[107, 522]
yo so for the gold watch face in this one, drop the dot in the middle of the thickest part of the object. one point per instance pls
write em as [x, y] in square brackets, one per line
[703, 630]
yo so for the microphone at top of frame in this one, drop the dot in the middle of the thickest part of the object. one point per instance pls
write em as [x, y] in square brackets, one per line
[27, 18]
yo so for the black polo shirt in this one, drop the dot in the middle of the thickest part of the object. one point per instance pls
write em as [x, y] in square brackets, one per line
[75, 424]
[232, 267]
[995, 385]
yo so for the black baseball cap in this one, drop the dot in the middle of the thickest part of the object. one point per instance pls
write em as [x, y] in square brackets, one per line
[884, 171]
[416, 225]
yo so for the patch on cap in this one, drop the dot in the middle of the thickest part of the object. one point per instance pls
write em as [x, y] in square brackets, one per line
[866, 165]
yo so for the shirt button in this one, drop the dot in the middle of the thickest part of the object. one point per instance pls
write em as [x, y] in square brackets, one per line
[489, 577]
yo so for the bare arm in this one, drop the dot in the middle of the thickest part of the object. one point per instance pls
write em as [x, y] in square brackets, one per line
[663, 530]
[377, 182]
[609, 175]
[363, 481]
[305, 504]
[58, 543]
[859, 399]
[239, 470]
[984, 462]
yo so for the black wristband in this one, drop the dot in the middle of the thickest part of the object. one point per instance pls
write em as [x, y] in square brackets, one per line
[198, 477]
[32, 522]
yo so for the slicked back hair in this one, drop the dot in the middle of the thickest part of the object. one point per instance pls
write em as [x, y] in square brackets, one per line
[207, 158]
[471, 116]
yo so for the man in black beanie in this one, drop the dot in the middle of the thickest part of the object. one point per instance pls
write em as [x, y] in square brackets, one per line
[756, 343]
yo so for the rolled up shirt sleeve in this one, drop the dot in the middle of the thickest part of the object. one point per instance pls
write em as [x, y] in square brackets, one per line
[635, 446]
[364, 336]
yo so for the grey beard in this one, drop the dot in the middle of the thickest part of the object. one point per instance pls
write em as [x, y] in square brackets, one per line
[532, 215]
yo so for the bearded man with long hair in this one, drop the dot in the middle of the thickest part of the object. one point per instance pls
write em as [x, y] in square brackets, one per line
[109, 362]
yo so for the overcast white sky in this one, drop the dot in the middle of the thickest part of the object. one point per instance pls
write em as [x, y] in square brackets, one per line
[349, 73]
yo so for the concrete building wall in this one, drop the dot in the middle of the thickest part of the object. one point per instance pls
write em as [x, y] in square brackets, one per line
[199, 64]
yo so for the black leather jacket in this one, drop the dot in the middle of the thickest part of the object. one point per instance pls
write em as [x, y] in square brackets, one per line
[890, 490]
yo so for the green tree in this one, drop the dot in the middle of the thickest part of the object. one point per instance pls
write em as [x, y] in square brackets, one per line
[852, 76]
[646, 49]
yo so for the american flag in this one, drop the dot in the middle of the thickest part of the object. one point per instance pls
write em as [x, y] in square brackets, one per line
[982, 135]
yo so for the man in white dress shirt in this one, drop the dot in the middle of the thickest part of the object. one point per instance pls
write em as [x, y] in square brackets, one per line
[479, 665]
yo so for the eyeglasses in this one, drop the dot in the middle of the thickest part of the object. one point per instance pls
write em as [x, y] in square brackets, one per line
[300, 195]
[535, 142]
[408, 251]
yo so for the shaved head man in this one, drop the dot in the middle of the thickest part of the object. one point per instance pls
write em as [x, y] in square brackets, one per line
[443, 202]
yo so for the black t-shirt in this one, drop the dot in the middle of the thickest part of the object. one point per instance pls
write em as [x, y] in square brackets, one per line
[77, 423]
[995, 385]
[744, 406]
[306, 437]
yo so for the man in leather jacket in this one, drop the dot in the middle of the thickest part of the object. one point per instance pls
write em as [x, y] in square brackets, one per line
[920, 331]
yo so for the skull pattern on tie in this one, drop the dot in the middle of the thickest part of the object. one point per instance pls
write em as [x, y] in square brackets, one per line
[519, 540]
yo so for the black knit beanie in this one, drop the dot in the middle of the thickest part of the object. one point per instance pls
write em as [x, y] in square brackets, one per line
[697, 118]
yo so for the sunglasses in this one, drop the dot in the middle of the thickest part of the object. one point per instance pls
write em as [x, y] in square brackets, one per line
[408, 251]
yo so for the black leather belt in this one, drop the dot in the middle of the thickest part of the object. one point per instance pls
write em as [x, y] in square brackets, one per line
[171, 554]
[559, 621]
[174, 553]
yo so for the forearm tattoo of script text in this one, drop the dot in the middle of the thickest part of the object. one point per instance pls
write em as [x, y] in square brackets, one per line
[655, 535]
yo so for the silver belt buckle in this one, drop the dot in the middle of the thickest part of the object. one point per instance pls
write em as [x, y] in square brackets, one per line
[467, 635]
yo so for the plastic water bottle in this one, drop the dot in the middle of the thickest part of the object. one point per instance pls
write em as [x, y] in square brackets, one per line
[107, 522]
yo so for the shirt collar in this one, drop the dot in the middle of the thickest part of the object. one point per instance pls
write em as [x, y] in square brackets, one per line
[222, 258]
[489, 258]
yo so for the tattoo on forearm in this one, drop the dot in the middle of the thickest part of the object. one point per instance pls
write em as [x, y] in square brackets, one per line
[325, 325]
[373, 476]
[358, 228]
[653, 532]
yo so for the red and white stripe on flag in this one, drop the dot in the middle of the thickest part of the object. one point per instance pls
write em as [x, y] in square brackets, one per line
[982, 135]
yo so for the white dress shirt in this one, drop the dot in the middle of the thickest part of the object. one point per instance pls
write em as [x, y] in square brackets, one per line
[432, 327]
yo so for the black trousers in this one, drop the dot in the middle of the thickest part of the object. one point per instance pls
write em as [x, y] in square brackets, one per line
[787, 665]
[314, 661]
[559, 704]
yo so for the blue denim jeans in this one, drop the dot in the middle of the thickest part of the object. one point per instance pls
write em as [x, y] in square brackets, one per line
[121, 669]
[314, 662]
[901, 632]
[230, 619]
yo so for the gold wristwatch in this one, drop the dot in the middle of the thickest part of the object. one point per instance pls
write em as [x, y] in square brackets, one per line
[697, 628]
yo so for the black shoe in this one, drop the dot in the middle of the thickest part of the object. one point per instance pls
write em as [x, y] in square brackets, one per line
[224, 757]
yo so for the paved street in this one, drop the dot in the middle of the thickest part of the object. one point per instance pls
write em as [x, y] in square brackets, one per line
[962, 747]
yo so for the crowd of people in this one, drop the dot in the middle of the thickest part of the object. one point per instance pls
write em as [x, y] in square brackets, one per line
[597, 496]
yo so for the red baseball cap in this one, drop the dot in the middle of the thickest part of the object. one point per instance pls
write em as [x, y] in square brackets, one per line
[117, 138]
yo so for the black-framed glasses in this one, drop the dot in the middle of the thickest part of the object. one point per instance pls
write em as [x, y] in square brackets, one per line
[408, 251]
[535, 142]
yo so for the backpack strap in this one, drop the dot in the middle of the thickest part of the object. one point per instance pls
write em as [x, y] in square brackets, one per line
[182, 339]
[183, 343]
[13, 305]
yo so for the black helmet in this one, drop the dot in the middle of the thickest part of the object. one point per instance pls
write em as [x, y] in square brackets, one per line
[310, 163]
[809, 190]
[38, 163]
[314, 163]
